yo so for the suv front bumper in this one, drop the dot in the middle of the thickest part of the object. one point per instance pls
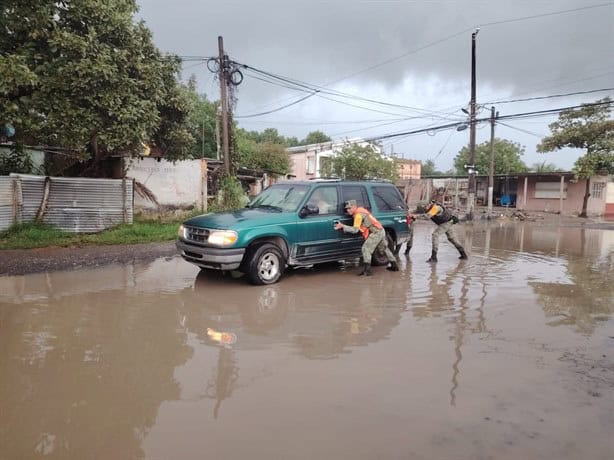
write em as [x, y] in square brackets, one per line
[215, 258]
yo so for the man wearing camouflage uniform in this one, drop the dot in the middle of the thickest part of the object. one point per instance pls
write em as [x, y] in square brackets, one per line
[374, 234]
[445, 222]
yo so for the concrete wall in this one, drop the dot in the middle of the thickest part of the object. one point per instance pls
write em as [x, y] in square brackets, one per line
[572, 202]
[183, 184]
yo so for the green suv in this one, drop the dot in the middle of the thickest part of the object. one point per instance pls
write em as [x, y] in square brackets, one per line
[290, 224]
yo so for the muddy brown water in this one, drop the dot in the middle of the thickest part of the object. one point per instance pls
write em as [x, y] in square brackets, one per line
[508, 355]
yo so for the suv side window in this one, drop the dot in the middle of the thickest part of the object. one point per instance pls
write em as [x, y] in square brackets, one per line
[326, 199]
[388, 198]
[356, 192]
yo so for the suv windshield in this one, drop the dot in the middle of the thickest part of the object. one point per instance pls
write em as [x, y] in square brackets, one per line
[283, 197]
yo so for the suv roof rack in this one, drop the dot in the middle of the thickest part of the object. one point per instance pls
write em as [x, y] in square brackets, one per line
[325, 179]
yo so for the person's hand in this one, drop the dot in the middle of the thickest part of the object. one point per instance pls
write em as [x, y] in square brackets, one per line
[338, 226]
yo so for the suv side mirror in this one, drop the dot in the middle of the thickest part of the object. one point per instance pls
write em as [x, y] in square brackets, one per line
[308, 209]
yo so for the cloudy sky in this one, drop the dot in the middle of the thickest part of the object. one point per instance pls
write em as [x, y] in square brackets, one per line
[412, 56]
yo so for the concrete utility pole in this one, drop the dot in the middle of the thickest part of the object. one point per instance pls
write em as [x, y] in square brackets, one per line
[223, 76]
[471, 166]
[491, 169]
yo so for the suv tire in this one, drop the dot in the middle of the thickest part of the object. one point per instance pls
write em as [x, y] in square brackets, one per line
[266, 264]
[380, 259]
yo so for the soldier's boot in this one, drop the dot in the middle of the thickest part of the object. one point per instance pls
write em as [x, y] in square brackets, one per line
[433, 256]
[366, 270]
[461, 251]
[393, 267]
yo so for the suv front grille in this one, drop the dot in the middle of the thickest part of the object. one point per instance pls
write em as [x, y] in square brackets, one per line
[198, 235]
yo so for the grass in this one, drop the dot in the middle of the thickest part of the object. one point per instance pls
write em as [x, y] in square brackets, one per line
[143, 230]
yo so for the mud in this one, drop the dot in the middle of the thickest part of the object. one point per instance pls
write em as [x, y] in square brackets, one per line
[507, 355]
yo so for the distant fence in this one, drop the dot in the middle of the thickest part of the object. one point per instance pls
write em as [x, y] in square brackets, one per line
[72, 204]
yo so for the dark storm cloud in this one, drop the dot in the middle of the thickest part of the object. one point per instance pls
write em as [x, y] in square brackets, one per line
[324, 41]
[426, 48]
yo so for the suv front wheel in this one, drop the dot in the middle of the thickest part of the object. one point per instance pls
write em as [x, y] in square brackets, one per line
[266, 264]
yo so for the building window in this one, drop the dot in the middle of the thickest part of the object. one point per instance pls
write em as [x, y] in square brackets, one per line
[550, 190]
[598, 189]
[311, 165]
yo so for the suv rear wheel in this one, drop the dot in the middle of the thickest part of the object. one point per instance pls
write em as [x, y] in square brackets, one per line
[266, 264]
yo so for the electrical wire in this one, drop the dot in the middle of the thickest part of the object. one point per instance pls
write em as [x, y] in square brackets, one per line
[501, 117]
[526, 131]
[549, 97]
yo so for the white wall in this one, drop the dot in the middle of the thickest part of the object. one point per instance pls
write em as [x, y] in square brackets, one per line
[181, 184]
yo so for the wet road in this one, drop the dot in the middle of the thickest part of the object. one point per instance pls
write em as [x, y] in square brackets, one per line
[508, 355]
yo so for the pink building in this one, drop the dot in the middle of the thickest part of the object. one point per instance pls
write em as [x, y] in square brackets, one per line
[561, 192]
[409, 169]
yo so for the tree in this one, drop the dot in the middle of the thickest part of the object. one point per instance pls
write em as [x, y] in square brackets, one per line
[507, 158]
[201, 122]
[315, 137]
[429, 169]
[265, 156]
[589, 128]
[84, 76]
[355, 162]
[545, 167]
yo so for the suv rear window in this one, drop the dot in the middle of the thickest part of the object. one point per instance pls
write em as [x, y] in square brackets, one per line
[388, 199]
[356, 192]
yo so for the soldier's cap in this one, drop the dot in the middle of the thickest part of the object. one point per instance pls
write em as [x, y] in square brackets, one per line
[350, 203]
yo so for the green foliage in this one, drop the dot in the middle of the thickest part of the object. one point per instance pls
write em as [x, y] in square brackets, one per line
[601, 163]
[590, 128]
[83, 75]
[37, 235]
[507, 158]
[201, 122]
[16, 160]
[355, 162]
[269, 135]
[272, 136]
[429, 169]
[265, 156]
[231, 193]
[545, 167]
[315, 137]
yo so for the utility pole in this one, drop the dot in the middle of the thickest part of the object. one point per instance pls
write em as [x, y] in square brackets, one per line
[223, 76]
[471, 166]
[491, 169]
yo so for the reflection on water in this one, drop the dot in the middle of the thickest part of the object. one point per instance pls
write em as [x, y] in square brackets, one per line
[118, 362]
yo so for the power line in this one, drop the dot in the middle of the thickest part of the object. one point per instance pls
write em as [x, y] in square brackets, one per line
[526, 131]
[501, 117]
[554, 13]
[275, 110]
[320, 90]
[548, 97]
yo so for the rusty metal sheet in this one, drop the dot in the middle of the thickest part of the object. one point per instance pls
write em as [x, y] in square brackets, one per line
[75, 204]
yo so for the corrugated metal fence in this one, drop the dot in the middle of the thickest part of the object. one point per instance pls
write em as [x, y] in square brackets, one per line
[74, 204]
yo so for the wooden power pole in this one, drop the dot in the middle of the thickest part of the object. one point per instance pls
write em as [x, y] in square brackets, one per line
[223, 76]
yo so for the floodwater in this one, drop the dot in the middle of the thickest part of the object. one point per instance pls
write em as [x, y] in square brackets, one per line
[508, 355]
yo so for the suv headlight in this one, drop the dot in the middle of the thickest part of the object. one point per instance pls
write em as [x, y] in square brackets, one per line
[181, 231]
[222, 237]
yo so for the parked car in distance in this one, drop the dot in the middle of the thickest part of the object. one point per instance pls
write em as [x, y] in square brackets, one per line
[291, 224]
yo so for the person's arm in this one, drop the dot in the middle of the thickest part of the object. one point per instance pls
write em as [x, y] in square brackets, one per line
[355, 228]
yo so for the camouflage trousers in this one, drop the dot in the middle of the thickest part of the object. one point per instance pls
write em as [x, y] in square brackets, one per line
[376, 242]
[448, 229]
